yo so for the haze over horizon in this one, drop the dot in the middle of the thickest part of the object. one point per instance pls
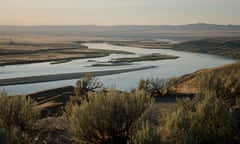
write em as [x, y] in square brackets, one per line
[119, 12]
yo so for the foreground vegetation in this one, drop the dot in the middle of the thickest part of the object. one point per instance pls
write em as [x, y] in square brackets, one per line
[18, 116]
[203, 120]
[95, 115]
[113, 117]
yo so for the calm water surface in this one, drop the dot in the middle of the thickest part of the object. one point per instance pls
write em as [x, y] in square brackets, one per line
[187, 63]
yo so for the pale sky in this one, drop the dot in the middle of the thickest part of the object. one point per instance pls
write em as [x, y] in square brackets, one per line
[118, 12]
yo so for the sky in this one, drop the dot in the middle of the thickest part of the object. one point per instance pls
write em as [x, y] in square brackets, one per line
[118, 12]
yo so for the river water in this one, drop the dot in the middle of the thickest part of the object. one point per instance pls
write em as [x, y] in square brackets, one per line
[186, 63]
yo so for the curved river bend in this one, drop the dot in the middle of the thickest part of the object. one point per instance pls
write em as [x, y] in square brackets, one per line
[187, 63]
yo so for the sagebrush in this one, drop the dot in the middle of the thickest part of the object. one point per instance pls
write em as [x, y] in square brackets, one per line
[18, 117]
[110, 117]
[206, 120]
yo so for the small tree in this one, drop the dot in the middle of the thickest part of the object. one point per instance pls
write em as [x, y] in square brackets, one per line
[110, 117]
[86, 84]
[153, 86]
[83, 86]
[18, 117]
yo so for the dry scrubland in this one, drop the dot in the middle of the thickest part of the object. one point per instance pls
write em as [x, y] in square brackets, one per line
[149, 114]
[202, 107]
[189, 83]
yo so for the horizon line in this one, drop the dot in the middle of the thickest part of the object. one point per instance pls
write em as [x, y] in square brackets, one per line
[26, 25]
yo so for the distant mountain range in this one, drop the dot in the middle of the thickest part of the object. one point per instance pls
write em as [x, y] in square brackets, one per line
[192, 31]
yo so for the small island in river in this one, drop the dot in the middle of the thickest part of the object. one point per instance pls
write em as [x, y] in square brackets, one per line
[151, 57]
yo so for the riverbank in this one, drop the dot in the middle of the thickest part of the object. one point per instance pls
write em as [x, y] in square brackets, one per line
[186, 63]
[227, 47]
[22, 52]
[13, 53]
[65, 76]
[221, 46]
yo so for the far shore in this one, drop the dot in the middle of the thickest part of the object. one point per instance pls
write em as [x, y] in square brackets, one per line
[65, 76]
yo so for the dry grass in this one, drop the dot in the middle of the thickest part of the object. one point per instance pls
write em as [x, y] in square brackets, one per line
[190, 83]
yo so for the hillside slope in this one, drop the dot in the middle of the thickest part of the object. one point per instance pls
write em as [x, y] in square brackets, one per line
[189, 83]
[229, 47]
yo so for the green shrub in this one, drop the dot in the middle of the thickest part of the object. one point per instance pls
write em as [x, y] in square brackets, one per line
[109, 117]
[17, 118]
[206, 120]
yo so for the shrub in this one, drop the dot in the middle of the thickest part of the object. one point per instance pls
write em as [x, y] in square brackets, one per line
[225, 85]
[111, 117]
[153, 86]
[206, 120]
[86, 84]
[83, 87]
[74, 100]
[17, 118]
[146, 134]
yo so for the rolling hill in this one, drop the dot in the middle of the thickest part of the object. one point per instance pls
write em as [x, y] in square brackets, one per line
[178, 32]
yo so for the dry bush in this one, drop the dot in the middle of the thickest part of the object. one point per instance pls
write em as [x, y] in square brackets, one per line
[86, 84]
[153, 86]
[158, 87]
[147, 134]
[212, 116]
[74, 100]
[83, 87]
[111, 117]
[225, 85]
[18, 117]
[206, 120]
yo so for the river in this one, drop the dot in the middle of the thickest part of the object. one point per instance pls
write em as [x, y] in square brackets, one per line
[186, 63]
